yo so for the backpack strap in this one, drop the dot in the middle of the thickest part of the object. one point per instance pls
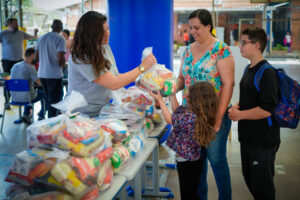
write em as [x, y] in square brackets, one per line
[259, 74]
[257, 79]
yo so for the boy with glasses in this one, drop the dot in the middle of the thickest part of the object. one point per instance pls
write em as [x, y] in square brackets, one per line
[259, 140]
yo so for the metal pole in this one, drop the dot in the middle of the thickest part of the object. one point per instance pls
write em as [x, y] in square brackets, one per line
[20, 13]
[91, 4]
[82, 6]
[5, 10]
[1, 25]
[213, 13]
[271, 32]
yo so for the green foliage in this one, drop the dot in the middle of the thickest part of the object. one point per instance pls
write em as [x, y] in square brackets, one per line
[279, 47]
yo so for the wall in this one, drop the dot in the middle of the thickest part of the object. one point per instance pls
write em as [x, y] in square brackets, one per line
[295, 24]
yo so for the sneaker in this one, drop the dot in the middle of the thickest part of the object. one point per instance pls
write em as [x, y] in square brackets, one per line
[7, 107]
[40, 118]
[26, 119]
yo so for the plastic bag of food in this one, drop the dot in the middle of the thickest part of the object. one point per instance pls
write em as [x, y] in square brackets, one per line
[105, 176]
[120, 158]
[148, 126]
[33, 163]
[45, 132]
[158, 78]
[117, 129]
[134, 143]
[20, 192]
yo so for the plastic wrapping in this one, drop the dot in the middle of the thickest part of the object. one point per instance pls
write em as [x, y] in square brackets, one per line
[158, 78]
[117, 129]
[45, 132]
[148, 126]
[51, 195]
[105, 176]
[120, 158]
[82, 148]
[135, 144]
[33, 163]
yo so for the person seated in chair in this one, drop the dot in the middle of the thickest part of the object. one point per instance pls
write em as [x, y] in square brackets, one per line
[25, 70]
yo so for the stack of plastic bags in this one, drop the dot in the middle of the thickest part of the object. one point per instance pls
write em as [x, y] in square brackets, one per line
[82, 165]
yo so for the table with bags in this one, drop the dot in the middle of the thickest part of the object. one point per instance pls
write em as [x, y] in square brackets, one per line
[74, 157]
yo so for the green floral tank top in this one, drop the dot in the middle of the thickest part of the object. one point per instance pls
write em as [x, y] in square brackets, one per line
[204, 69]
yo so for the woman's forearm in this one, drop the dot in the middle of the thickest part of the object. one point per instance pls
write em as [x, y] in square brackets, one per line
[224, 99]
[113, 82]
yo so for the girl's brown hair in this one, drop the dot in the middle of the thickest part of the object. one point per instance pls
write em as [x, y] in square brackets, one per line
[203, 101]
[87, 42]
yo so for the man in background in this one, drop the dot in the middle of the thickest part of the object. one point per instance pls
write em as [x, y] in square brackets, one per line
[12, 46]
[50, 51]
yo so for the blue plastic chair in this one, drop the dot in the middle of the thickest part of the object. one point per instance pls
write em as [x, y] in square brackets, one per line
[17, 85]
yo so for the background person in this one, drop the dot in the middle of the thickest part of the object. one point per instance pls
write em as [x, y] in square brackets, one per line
[26, 70]
[92, 71]
[50, 51]
[208, 59]
[12, 47]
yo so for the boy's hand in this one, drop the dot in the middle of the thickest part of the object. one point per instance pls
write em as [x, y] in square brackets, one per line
[234, 113]
[156, 95]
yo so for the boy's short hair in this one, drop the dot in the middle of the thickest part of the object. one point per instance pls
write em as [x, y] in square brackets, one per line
[29, 52]
[257, 35]
[67, 32]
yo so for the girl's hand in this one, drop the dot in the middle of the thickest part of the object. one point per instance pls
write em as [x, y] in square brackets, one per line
[156, 96]
[148, 61]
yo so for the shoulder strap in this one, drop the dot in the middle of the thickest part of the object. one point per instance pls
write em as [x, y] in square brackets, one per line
[259, 74]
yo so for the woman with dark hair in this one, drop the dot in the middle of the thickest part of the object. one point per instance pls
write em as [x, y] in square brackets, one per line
[92, 67]
[208, 59]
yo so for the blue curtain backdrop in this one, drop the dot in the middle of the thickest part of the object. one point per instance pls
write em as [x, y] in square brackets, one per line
[136, 24]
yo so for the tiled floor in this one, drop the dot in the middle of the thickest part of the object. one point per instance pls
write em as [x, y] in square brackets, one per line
[287, 177]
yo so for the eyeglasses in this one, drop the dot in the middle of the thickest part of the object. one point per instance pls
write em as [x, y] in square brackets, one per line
[244, 42]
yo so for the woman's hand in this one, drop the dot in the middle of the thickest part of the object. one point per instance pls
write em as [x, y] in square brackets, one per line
[149, 61]
[217, 125]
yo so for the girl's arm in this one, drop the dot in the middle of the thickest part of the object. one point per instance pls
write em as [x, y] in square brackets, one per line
[164, 109]
[110, 81]
[174, 102]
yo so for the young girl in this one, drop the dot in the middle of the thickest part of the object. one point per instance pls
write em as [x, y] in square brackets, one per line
[193, 127]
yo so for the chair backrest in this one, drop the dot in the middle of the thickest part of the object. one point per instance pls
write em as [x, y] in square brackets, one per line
[17, 85]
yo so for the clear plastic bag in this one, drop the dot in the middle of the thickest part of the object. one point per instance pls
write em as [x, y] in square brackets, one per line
[158, 78]
[117, 129]
[120, 158]
[45, 132]
[105, 176]
[33, 163]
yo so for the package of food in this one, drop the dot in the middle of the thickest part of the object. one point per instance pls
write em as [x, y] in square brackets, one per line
[120, 158]
[105, 176]
[148, 126]
[45, 132]
[134, 143]
[117, 129]
[20, 192]
[33, 163]
[52, 195]
[158, 78]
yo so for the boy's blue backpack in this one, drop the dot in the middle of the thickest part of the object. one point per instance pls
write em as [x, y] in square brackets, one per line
[287, 112]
